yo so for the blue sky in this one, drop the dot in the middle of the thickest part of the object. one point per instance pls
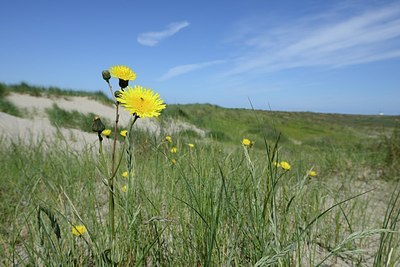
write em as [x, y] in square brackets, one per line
[305, 55]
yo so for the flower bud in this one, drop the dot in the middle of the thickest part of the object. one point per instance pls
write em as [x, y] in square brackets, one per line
[117, 93]
[97, 125]
[106, 75]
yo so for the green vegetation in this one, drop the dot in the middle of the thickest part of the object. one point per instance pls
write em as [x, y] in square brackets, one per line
[5, 105]
[70, 119]
[25, 88]
[218, 203]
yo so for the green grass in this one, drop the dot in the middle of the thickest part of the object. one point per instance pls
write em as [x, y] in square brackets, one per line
[5, 105]
[213, 207]
[71, 119]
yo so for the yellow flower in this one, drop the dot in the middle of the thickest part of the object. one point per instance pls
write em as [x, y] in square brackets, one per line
[173, 161]
[247, 142]
[78, 230]
[123, 73]
[106, 132]
[284, 165]
[174, 150]
[168, 139]
[191, 145]
[141, 101]
[123, 133]
[125, 174]
[123, 189]
[277, 164]
[311, 173]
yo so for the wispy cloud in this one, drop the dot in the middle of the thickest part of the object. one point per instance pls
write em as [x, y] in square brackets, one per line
[182, 69]
[153, 38]
[327, 40]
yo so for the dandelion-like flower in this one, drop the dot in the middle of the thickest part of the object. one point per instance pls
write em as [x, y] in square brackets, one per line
[141, 101]
[124, 188]
[173, 161]
[191, 145]
[78, 230]
[277, 164]
[312, 173]
[174, 150]
[168, 139]
[124, 74]
[123, 133]
[106, 132]
[125, 174]
[247, 142]
[284, 165]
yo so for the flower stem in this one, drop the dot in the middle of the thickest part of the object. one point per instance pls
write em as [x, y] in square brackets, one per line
[111, 179]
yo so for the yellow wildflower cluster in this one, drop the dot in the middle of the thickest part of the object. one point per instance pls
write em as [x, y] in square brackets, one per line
[283, 164]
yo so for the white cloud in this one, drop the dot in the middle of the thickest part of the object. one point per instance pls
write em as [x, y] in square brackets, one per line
[179, 70]
[330, 40]
[153, 38]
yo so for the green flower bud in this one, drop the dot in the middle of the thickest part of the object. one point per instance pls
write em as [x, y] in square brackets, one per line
[106, 75]
[98, 125]
[117, 93]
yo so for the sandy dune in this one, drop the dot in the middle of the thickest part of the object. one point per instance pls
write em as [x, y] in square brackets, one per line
[35, 123]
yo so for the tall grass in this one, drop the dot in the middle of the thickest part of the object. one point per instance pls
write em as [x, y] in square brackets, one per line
[210, 207]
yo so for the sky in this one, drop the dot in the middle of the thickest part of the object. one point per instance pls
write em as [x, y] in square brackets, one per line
[304, 55]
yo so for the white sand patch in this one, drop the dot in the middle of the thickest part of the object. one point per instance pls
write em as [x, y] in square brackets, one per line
[81, 104]
[39, 129]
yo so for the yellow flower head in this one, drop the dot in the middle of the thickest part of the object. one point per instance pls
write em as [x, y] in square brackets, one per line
[247, 142]
[174, 150]
[106, 132]
[284, 165]
[277, 164]
[78, 230]
[173, 161]
[123, 133]
[191, 145]
[141, 101]
[124, 188]
[168, 139]
[125, 174]
[123, 73]
[311, 173]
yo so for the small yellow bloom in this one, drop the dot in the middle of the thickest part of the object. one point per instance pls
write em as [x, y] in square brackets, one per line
[125, 174]
[277, 164]
[173, 161]
[141, 101]
[174, 150]
[123, 73]
[78, 230]
[191, 145]
[168, 139]
[123, 189]
[247, 142]
[311, 173]
[284, 165]
[123, 133]
[106, 132]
